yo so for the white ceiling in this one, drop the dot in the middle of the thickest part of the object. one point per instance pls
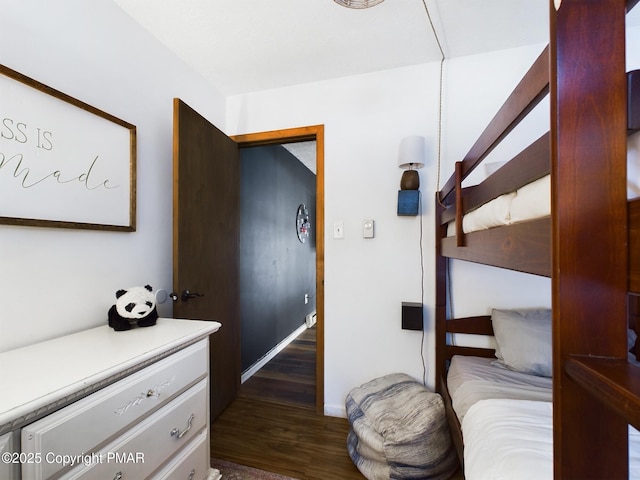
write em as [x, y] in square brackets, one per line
[250, 45]
[305, 152]
[242, 46]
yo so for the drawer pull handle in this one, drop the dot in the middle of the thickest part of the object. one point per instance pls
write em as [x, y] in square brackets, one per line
[192, 474]
[179, 434]
[118, 476]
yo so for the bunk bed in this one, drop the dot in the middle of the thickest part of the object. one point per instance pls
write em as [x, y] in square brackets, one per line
[588, 244]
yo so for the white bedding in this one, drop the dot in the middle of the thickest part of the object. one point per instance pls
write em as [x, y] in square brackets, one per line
[471, 379]
[527, 203]
[534, 201]
[507, 423]
[509, 439]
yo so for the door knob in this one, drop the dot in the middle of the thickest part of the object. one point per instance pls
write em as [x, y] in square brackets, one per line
[186, 295]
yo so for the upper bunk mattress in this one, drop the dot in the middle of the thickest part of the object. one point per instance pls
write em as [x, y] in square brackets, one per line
[533, 200]
[527, 203]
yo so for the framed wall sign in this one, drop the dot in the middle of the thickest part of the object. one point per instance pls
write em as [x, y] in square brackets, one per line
[63, 163]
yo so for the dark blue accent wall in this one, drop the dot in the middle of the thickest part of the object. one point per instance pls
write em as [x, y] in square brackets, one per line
[276, 269]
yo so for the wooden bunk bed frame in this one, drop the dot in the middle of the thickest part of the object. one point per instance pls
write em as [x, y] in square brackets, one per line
[589, 246]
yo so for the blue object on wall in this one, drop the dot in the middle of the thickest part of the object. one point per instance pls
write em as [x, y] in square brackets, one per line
[408, 202]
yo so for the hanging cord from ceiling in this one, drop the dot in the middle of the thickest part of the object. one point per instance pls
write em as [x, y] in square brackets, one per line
[422, 340]
[438, 162]
[440, 92]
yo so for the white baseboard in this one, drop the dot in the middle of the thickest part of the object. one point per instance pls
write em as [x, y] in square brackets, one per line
[249, 372]
[335, 411]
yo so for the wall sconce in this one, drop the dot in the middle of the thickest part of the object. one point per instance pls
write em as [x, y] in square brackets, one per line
[410, 158]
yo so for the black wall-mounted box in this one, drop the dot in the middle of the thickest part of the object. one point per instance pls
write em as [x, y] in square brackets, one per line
[633, 100]
[411, 316]
[408, 202]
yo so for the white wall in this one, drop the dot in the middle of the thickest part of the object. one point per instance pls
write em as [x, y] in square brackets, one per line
[366, 281]
[55, 281]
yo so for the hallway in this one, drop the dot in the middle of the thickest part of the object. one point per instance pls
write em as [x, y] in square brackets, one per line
[273, 426]
[290, 377]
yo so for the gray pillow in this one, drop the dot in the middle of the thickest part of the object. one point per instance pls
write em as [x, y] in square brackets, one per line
[523, 339]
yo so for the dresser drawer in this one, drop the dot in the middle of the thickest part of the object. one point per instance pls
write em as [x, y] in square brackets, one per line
[89, 423]
[192, 463]
[152, 442]
[11, 458]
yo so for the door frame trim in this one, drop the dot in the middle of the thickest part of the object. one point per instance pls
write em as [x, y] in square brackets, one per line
[291, 135]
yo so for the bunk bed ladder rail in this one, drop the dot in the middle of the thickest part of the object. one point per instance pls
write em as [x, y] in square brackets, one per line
[596, 390]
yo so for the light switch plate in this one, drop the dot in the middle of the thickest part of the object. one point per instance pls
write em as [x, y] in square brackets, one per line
[367, 229]
[338, 230]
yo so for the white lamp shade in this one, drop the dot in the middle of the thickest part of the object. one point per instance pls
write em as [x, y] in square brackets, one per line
[412, 152]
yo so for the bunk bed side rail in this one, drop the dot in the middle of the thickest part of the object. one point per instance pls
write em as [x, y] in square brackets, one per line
[528, 93]
[480, 325]
[452, 419]
[529, 165]
[523, 247]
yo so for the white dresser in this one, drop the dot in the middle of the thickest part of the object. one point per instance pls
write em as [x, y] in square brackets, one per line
[109, 405]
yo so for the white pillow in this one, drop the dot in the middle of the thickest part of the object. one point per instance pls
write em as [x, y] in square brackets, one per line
[523, 339]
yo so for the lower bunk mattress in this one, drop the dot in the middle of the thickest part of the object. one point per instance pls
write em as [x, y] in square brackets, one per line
[507, 422]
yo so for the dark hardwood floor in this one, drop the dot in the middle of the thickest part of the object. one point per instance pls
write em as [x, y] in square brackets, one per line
[272, 425]
[290, 377]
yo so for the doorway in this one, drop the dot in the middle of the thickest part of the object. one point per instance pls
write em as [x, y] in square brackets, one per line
[277, 251]
[292, 136]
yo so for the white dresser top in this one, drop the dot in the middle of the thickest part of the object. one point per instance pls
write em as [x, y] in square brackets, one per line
[42, 377]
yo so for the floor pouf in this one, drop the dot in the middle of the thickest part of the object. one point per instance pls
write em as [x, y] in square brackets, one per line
[399, 430]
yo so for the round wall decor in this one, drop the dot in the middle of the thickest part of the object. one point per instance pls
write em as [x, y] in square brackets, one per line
[303, 225]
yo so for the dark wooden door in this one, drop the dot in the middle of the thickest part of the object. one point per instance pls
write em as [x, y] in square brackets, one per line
[206, 186]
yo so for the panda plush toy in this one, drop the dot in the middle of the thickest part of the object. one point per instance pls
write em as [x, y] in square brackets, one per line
[135, 307]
